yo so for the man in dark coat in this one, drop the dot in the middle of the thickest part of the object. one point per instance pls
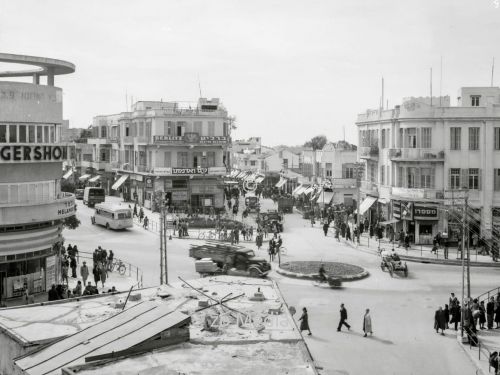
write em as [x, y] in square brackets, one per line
[53, 295]
[490, 312]
[343, 318]
[439, 320]
[325, 228]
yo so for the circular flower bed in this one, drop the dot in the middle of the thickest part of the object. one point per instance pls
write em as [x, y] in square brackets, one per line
[308, 269]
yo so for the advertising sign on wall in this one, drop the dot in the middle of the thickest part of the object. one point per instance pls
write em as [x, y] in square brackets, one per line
[50, 271]
[179, 196]
[421, 212]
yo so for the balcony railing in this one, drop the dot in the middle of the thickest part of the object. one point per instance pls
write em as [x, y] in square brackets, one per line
[417, 193]
[416, 154]
[370, 152]
[369, 187]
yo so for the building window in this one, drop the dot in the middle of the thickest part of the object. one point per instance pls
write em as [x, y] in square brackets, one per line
[127, 130]
[411, 138]
[426, 135]
[31, 134]
[454, 178]
[13, 133]
[411, 178]
[497, 138]
[349, 172]
[211, 128]
[455, 138]
[211, 159]
[22, 134]
[474, 99]
[427, 178]
[496, 179]
[285, 163]
[167, 159]
[182, 159]
[179, 130]
[473, 138]
[197, 127]
[400, 176]
[474, 178]
[3, 133]
[253, 163]
[383, 138]
[382, 174]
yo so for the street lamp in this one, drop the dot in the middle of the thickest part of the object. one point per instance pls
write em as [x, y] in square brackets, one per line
[163, 244]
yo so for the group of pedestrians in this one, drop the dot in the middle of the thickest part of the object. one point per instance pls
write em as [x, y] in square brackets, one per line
[367, 321]
[275, 244]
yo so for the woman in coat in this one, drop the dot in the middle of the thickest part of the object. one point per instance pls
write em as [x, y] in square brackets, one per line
[304, 324]
[367, 323]
[102, 273]
[439, 322]
[97, 274]
[482, 315]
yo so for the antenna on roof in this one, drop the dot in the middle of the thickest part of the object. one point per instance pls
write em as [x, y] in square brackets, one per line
[431, 85]
[440, 79]
[199, 86]
[492, 70]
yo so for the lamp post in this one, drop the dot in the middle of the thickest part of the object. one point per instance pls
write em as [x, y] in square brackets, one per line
[163, 245]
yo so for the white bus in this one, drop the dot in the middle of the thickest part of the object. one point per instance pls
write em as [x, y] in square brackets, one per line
[112, 216]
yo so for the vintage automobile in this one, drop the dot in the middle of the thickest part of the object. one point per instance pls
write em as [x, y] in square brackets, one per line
[392, 262]
[272, 218]
[252, 203]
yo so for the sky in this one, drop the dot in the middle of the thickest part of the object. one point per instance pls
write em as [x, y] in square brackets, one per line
[287, 70]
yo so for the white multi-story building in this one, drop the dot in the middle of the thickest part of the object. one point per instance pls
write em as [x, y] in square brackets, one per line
[32, 206]
[162, 150]
[249, 155]
[418, 151]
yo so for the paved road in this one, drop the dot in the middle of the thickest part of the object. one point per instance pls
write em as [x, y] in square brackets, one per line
[402, 309]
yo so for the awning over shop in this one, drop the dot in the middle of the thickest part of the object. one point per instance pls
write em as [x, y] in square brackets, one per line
[281, 182]
[68, 174]
[383, 200]
[294, 192]
[366, 204]
[84, 177]
[388, 222]
[119, 183]
[259, 179]
[308, 190]
[250, 177]
[95, 178]
[234, 172]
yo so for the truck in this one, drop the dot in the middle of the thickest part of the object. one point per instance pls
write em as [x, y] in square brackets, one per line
[230, 259]
[285, 205]
[271, 219]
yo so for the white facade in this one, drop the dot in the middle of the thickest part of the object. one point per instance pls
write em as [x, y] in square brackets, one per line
[416, 151]
[181, 151]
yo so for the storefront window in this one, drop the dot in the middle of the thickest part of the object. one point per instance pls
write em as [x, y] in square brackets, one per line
[31, 134]
[46, 134]
[39, 134]
[52, 134]
[13, 133]
[3, 133]
[22, 134]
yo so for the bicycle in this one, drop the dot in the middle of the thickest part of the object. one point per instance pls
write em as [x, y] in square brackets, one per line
[119, 265]
[210, 235]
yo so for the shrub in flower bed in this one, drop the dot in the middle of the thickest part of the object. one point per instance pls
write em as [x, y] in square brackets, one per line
[332, 268]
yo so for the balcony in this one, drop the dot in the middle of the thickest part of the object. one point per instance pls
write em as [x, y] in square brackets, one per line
[416, 155]
[62, 206]
[416, 193]
[370, 152]
[369, 187]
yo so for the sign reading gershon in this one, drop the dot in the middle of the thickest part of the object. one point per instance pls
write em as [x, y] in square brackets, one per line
[32, 153]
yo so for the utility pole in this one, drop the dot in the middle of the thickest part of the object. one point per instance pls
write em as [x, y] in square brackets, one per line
[464, 236]
[163, 246]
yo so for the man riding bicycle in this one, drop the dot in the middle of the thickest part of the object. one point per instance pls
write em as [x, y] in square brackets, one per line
[322, 274]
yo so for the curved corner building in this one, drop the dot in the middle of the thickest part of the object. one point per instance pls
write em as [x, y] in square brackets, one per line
[32, 205]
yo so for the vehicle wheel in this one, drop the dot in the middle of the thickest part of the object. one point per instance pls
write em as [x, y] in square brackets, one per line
[122, 269]
[254, 273]
[107, 225]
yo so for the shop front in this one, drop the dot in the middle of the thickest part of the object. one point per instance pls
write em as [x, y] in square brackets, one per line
[420, 220]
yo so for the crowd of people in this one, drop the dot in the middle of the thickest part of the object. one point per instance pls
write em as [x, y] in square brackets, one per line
[102, 265]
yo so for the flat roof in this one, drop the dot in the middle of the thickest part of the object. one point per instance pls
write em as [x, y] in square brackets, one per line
[44, 64]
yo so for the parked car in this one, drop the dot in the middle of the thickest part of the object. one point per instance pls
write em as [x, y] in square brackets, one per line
[79, 193]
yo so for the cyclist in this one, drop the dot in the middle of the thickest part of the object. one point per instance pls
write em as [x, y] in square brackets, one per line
[322, 274]
[110, 260]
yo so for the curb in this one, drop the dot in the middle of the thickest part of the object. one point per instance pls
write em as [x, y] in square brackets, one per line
[475, 362]
[305, 276]
[443, 262]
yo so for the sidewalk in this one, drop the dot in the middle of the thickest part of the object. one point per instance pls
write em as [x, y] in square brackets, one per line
[422, 253]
